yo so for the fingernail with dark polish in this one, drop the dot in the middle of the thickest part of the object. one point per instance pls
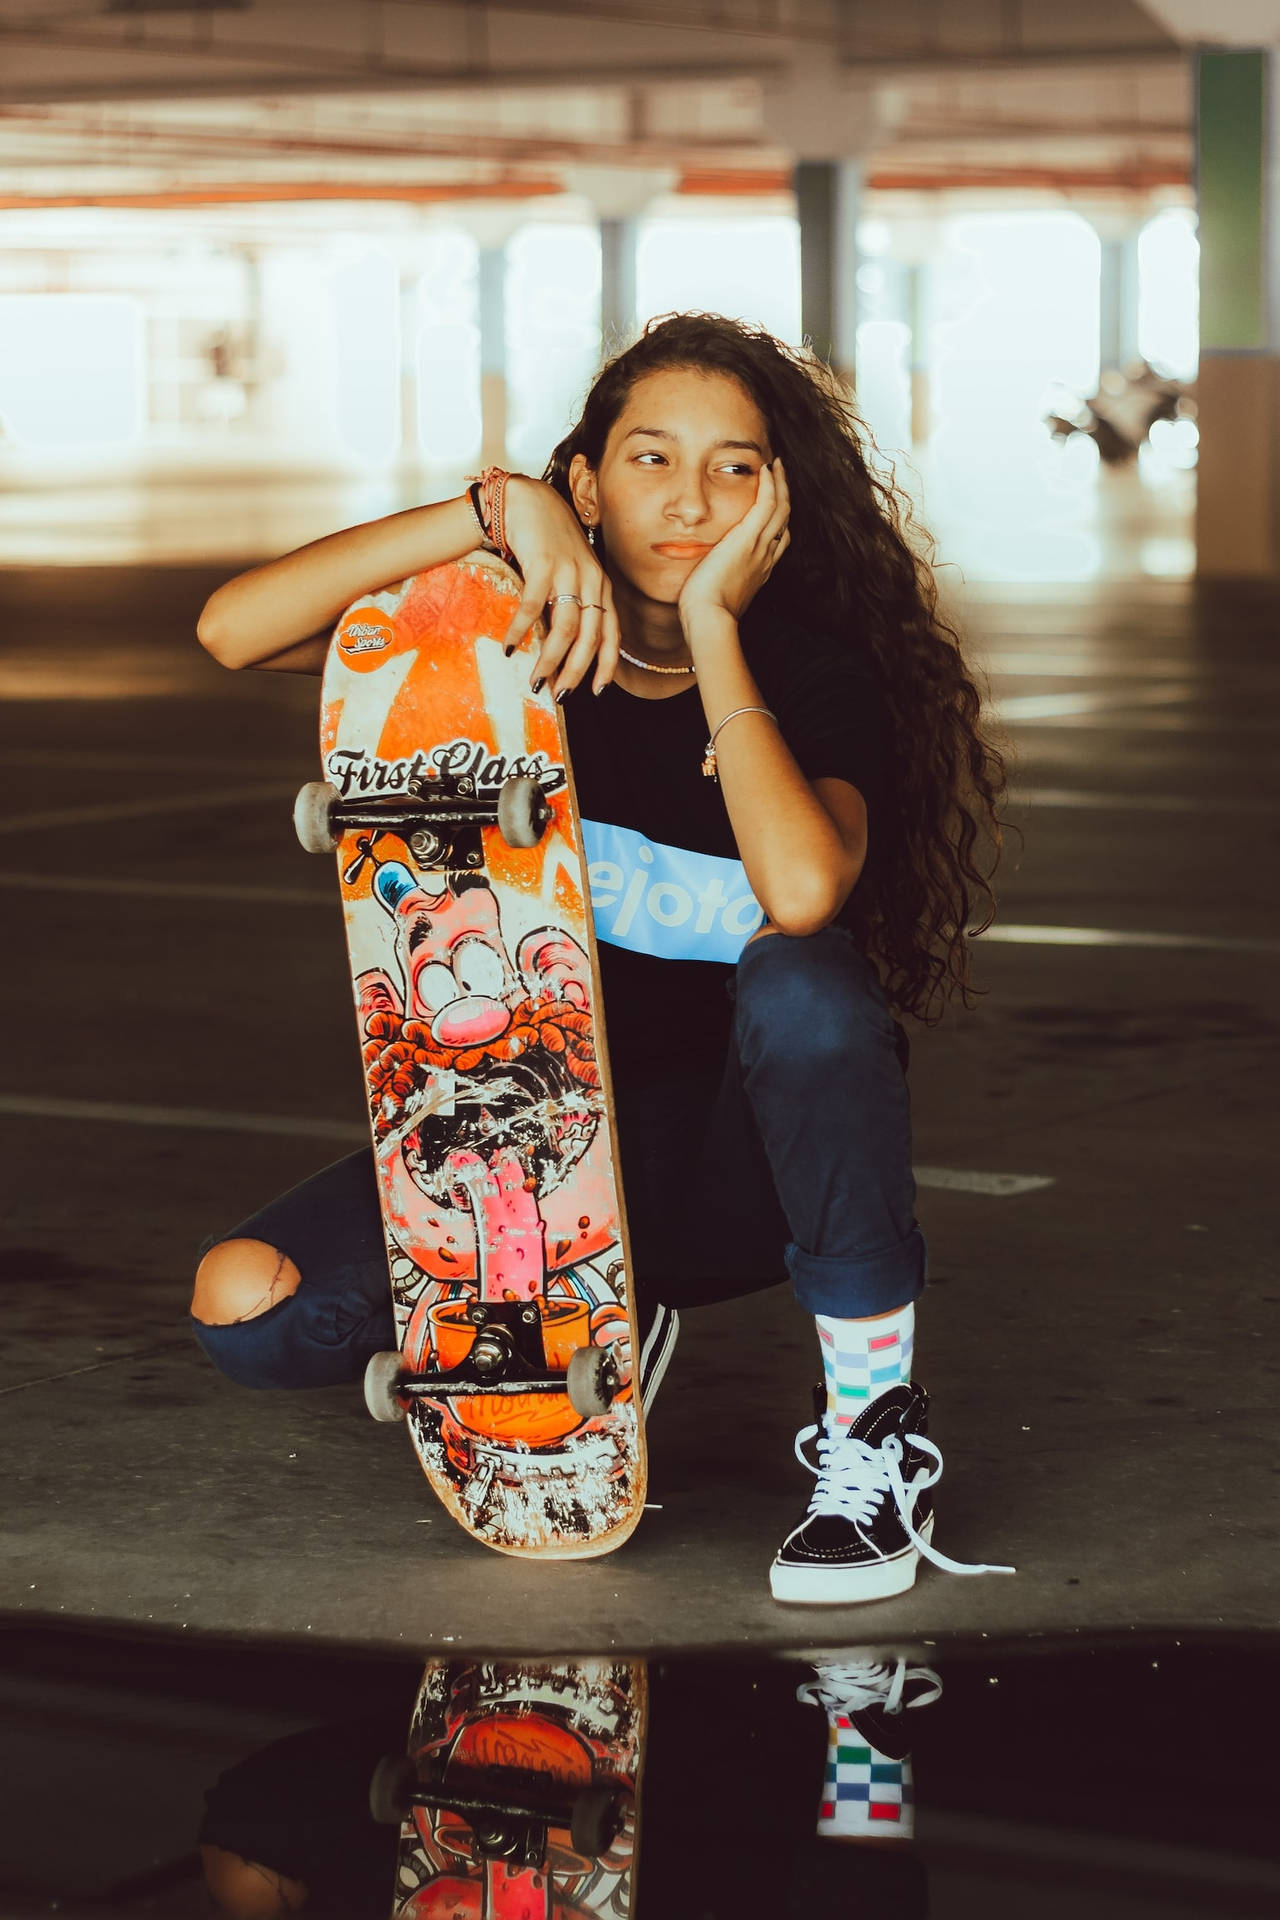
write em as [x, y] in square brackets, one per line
[561, 695]
[508, 651]
[539, 684]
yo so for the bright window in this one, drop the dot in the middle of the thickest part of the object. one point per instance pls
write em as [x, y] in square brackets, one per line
[553, 334]
[447, 354]
[1169, 293]
[71, 369]
[748, 269]
[365, 296]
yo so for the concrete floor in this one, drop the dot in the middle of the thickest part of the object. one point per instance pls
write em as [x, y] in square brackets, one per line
[178, 1046]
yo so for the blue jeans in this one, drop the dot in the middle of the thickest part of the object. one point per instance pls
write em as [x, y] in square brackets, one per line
[797, 1164]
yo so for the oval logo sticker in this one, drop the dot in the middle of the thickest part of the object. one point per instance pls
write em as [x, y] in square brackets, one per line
[366, 633]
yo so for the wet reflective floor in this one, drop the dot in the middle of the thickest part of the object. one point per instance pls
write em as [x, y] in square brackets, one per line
[160, 1776]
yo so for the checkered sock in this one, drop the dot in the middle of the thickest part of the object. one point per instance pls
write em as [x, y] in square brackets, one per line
[861, 1358]
[865, 1795]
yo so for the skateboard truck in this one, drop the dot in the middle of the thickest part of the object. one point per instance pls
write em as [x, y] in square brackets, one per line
[439, 819]
[505, 1357]
[508, 1823]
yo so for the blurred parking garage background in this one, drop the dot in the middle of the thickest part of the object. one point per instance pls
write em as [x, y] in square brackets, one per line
[267, 268]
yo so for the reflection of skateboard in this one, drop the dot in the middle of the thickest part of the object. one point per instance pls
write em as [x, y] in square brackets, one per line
[518, 1796]
[449, 799]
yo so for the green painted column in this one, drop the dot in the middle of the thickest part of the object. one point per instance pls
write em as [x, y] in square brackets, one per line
[1232, 189]
[1238, 389]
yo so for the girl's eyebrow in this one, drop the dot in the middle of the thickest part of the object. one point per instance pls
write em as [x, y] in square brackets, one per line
[660, 433]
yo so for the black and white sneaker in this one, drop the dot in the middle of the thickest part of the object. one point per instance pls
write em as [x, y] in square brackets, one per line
[872, 1688]
[659, 1333]
[866, 1525]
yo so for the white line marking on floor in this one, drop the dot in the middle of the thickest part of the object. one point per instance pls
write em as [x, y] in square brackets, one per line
[201, 1119]
[72, 759]
[953, 1180]
[73, 884]
[1011, 934]
[111, 1113]
[1122, 803]
[95, 1366]
[1088, 663]
[1056, 706]
[141, 809]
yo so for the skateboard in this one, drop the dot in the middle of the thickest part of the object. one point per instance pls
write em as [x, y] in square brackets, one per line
[518, 1797]
[449, 801]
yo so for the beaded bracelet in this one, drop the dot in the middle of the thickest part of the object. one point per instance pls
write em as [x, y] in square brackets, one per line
[473, 495]
[492, 488]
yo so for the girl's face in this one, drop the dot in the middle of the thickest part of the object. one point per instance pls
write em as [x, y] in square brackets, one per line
[680, 467]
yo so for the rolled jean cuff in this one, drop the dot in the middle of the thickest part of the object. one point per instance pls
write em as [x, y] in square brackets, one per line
[855, 1286]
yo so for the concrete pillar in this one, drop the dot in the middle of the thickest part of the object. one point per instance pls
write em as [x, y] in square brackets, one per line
[410, 447]
[917, 289]
[493, 355]
[253, 354]
[1238, 389]
[618, 315]
[620, 198]
[828, 195]
[1118, 298]
[830, 123]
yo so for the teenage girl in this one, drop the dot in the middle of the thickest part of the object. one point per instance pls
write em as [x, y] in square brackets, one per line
[767, 714]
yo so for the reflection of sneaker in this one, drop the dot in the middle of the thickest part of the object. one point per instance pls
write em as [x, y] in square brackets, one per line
[873, 1693]
[867, 1525]
[867, 1792]
[658, 1333]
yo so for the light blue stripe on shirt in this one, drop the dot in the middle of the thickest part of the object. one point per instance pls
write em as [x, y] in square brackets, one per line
[667, 901]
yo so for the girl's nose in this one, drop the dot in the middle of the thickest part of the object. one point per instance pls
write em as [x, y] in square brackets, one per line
[470, 1022]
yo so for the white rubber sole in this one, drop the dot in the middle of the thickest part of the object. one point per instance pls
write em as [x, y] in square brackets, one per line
[846, 1586]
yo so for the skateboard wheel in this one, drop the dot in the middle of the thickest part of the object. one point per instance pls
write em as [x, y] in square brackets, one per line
[522, 811]
[311, 812]
[595, 1821]
[591, 1380]
[381, 1378]
[391, 1789]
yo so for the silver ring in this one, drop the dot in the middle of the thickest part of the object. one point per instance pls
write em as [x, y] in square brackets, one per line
[557, 598]
[593, 606]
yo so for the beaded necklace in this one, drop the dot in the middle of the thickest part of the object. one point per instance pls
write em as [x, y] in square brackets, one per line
[649, 666]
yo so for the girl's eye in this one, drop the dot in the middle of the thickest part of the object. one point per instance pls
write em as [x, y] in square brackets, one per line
[650, 455]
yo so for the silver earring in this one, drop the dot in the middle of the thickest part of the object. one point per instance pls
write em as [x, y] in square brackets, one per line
[591, 535]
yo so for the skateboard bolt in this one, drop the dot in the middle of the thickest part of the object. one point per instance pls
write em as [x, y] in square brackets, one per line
[488, 1355]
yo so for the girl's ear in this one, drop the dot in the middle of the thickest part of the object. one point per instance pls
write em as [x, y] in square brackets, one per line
[582, 487]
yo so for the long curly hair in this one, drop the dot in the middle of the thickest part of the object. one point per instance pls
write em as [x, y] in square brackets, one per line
[851, 571]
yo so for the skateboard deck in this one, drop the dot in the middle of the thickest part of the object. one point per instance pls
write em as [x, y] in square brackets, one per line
[448, 796]
[519, 1793]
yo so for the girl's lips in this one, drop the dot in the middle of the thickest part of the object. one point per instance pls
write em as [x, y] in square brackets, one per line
[683, 549]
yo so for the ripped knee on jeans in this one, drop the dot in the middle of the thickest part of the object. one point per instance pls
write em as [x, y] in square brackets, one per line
[240, 1279]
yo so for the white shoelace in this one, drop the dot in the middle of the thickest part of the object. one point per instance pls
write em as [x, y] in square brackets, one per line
[854, 1478]
[851, 1686]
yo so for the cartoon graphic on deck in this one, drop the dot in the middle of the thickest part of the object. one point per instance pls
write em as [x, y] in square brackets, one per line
[519, 1791]
[449, 803]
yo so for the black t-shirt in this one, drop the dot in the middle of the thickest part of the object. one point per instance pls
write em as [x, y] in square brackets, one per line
[671, 901]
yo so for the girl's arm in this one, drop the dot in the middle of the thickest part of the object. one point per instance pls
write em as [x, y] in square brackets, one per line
[280, 614]
[803, 845]
[259, 618]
